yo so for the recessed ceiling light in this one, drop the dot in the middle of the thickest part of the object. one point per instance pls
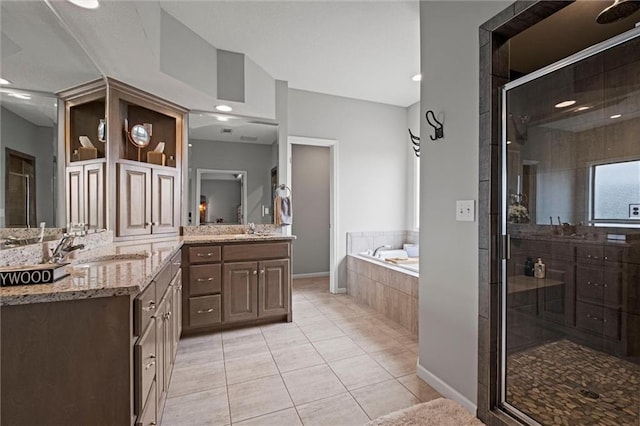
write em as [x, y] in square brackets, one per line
[565, 104]
[20, 96]
[85, 4]
[616, 116]
[4, 81]
[582, 108]
[224, 108]
[223, 118]
[508, 142]
[417, 77]
[190, 145]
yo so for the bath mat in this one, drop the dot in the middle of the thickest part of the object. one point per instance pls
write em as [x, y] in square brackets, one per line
[438, 412]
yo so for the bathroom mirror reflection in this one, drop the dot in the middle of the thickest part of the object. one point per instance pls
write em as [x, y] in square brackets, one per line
[28, 123]
[231, 160]
[39, 58]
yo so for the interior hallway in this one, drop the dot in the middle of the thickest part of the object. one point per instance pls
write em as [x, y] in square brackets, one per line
[337, 363]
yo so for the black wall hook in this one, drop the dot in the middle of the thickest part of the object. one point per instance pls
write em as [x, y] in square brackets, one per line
[437, 126]
[415, 140]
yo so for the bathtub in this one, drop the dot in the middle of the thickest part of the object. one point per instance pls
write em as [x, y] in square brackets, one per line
[412, 267]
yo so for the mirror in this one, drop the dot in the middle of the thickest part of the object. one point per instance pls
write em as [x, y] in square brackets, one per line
[39, 58]
[139, 136]
[232, 169]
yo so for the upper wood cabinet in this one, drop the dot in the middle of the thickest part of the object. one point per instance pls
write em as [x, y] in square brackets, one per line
[137, 190]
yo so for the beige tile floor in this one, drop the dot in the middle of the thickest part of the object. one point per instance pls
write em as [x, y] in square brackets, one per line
[338, 363]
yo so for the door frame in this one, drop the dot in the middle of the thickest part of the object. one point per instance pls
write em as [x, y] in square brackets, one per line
[29, 158]
[332, 144]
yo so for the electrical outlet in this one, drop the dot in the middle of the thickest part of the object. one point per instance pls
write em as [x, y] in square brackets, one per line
[634, 211]
[465, 210]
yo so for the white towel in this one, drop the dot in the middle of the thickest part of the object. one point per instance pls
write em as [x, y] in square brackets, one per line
[282, 214]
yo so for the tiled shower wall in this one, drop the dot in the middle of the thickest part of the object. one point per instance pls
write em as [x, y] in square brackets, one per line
[358, 242]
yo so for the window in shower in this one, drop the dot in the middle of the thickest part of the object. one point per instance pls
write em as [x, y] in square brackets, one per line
[615, 191]
[571, 293]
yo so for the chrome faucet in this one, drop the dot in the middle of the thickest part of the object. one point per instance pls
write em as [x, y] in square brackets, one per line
[385, 246]
[64, 247]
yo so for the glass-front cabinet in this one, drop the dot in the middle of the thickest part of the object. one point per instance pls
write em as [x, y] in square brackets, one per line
[571, 221]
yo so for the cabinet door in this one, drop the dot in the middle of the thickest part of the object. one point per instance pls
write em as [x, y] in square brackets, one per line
[134, 194]
[240, 287]
[176, 317]
[163, 358]
[94, 196]
[273, 287]
[75, 194]
[165, 210]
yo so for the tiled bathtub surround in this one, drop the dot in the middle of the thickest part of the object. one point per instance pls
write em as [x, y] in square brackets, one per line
[358, 242]
[392, 293]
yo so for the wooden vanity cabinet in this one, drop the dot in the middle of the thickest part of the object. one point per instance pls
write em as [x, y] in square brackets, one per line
[85, 194]
[148, 200]
[236, 284]
[117, 185]
[102, 360]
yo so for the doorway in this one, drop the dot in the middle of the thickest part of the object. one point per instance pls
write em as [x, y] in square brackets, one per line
[332, 144]
[20, 201]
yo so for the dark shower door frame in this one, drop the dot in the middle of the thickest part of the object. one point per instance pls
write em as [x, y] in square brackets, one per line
[32, 214]
[505, 240]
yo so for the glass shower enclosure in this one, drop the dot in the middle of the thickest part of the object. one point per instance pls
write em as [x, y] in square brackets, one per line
[570, 291]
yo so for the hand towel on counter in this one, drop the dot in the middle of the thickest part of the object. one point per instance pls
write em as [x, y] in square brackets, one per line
[282, 214]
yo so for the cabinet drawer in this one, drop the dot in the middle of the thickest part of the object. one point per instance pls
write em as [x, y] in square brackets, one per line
[203, 254]
[176, 262]
[590, 252]
[162, 281]
[204, 279]
[256, 251]
[204, 310]
[144, 308]
[148, 416]
[590, 284]
[145, 366]
[598, 320]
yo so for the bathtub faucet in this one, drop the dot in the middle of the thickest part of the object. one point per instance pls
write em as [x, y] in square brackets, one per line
[384, 246]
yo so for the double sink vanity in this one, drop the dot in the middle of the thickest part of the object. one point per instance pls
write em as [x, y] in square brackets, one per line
[98, 346]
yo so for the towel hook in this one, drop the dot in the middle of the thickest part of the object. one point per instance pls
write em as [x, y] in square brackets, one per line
[415, 140]
[437, 125]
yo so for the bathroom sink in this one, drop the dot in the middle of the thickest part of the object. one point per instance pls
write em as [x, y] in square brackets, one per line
[111, 259]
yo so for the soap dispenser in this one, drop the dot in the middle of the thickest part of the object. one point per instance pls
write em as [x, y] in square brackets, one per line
[539, 269]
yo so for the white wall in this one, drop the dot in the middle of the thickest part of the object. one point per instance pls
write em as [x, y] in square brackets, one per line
[310, 167]
[23, 136]
[413, 123]
[449, 172]
[372, 159]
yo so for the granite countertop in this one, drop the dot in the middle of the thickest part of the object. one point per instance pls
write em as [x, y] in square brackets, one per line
[94, 273]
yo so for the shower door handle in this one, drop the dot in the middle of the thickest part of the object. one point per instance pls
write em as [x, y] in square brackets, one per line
[506, 247]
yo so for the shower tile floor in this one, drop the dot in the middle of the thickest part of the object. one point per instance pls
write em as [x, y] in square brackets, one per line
[338, 363]
[546, 383]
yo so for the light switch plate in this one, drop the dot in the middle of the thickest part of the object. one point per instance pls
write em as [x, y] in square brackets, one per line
[634, 211]
[465, 210]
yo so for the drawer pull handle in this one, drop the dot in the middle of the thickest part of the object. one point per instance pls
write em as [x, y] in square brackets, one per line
[262, 271]
[255, 272]
[153, 423]
[593, 284]
[151, 307]
[149, 365]
[205, 311]
[596, 318]
[177, 264]
[606, 258]
[202, 280]
[204, 255]
[180, 287]
[167, 315]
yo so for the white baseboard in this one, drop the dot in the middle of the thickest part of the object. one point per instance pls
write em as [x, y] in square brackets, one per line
[311, 275]
[341, 290]
[444, 389]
